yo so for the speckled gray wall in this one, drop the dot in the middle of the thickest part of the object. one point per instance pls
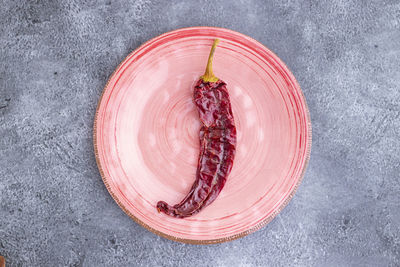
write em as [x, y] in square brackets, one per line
[55, 58]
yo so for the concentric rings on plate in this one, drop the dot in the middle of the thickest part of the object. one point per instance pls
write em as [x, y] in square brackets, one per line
[146, 133]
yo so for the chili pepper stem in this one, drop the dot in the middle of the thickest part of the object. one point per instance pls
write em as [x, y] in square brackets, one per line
[209, 75]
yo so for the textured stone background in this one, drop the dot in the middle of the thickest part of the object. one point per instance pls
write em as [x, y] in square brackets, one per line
[55, 58]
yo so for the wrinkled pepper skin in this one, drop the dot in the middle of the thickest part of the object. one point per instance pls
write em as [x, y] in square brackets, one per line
[217, 144]
[217, 149]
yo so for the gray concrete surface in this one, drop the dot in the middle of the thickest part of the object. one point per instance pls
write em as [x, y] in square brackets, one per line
[55, 58]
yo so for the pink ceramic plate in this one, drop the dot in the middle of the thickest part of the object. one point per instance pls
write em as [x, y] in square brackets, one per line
[146, 133]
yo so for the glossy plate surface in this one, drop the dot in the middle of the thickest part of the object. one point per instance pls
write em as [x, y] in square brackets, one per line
[146, 133]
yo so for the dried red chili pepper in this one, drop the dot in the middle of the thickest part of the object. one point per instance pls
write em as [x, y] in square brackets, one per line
[217, 144]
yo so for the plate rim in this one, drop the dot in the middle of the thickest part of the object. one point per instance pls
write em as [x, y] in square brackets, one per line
[204, 241]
